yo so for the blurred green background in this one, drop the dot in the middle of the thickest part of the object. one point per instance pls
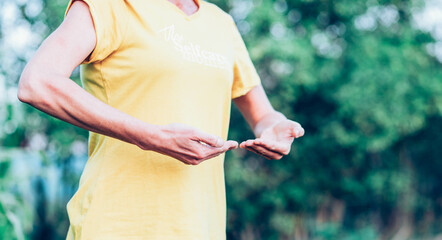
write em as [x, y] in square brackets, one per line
[363, 77]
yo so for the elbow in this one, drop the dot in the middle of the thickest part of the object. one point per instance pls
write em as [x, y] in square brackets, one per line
[24, 92]
[29, 87]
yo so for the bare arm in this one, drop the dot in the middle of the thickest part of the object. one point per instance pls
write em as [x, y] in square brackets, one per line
[274, 132]
[45, 84]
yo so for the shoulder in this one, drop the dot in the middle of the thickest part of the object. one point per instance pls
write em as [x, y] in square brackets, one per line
[103, 2]
[101, 5]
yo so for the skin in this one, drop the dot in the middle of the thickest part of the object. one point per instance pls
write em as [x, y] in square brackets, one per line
[189, 7]
[45, 85]
[275, 133]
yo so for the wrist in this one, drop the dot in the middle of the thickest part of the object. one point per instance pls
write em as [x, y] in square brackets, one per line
[268, 121]
[146, 136]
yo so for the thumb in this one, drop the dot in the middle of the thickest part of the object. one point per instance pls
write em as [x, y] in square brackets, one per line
[297, 131]
[209, 139]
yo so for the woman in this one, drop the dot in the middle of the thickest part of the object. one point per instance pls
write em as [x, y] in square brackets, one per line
[159, 77]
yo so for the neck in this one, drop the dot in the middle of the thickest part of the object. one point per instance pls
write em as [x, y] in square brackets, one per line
[187, 6]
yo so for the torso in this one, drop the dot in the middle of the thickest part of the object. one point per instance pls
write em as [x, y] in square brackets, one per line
[169, 68]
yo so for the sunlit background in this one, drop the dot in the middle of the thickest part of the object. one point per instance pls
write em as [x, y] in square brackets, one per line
[363, 77]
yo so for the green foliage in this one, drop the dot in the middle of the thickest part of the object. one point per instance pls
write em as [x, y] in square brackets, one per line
[13, 211]
[27, 209]
[359, 93]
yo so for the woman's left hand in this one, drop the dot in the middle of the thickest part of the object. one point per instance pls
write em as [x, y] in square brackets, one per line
[276, 140]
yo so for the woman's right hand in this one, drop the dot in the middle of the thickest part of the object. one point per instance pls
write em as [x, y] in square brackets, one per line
[187, 144]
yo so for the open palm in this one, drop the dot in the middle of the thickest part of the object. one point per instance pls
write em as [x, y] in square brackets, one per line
[276, 140]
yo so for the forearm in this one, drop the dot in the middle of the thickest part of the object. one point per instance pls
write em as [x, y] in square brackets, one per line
[64, 99]
[269, 119]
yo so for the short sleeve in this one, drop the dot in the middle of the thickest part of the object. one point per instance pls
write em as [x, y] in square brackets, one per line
[245, 76]
[109, 22]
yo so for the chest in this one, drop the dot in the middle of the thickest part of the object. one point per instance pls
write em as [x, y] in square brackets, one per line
[161, 39]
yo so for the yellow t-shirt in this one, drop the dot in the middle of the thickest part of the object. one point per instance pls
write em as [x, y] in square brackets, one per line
[157, 64]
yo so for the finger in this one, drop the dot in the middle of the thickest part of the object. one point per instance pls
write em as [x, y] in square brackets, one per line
[254, 151]
[193, 162]
[230, 145]
[215, 154]
[297, 131]
[190, 161]
[266, 152]
[273, 147]
[246, 143]
[258, 150]
[208, 139]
